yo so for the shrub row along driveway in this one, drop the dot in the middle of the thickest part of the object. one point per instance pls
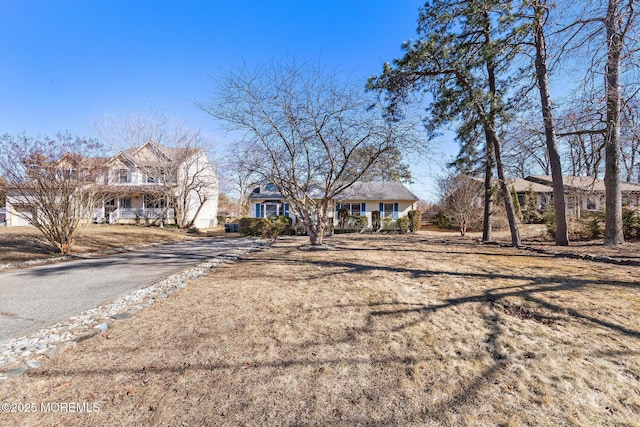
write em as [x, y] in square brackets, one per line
[38, 296]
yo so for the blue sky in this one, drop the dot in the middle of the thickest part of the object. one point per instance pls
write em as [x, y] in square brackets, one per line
[66, 64]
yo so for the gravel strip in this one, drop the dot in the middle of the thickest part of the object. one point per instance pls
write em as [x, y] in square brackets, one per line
[19, 354]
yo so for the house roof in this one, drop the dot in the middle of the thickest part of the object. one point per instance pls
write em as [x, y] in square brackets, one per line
[378, 190]
[524, 186]
[359, 191]
[152, 153]
[583, 183]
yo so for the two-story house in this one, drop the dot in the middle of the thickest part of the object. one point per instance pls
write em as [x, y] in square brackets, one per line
[149, 184]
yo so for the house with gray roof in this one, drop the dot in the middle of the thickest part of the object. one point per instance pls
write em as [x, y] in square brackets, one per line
[582, 193]
[391, 198]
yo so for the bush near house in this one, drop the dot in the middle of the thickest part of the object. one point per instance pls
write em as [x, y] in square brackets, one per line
[252, 226]
[415, 220]
[590, 226]
[442, 220]
[263, 227]
[403, 225]
[375, 220]
[630, 223]
[343, 218]
[358, 222]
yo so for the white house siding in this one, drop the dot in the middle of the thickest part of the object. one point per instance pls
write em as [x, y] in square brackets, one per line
[403, 209]
[14, 218]
[374, 205]
[208, 215]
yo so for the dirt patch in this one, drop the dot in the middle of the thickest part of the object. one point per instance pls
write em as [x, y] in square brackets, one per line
[402, 330]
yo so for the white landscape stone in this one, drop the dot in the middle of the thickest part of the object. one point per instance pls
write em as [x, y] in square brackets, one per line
[17, 352]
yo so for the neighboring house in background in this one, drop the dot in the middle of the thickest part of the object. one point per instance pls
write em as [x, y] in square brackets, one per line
[391, 198]
[582, 193]
[135, 184]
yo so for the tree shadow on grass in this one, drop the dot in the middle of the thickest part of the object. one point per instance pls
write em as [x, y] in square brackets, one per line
[492, 304]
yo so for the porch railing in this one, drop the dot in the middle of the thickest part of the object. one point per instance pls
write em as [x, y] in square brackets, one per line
[140, 214]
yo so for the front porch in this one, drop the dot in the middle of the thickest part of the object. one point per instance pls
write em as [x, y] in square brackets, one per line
[137, 215]
[135, 209]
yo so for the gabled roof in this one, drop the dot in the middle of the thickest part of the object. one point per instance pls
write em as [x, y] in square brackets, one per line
[359, 191]
[378, 190]
[151, 153]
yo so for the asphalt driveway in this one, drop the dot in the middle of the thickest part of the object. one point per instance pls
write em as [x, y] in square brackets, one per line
[35, 297]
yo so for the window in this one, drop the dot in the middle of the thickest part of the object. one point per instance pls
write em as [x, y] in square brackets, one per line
[68, 173]
[270, 210]
[125, 202]
[388, 210]
[154, 202]
[355, 209]
[270, 187]
[591, 203]
[110, 202]
[124, 175]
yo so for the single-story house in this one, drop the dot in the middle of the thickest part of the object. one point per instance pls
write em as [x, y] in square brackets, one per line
[582, 193]
[391, 198]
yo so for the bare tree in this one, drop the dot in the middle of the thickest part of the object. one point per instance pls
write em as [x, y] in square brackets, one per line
[461, 199]
[238, 174]
[53, 183]
[582, 132]
[172, 156]
[525, 150]
[3, 191]
[606, 29]
[630, 131]
[314, 132]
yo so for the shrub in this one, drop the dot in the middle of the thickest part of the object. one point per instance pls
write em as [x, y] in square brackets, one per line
[268, 228]
[630, 223]
[388, 224]
[403, 224]
[530, 213]
[253, 226]
[375, 220]
[415, 220]
[441, 220]
[592, 228]
[343, 217]
[359, 222]
[277, 226]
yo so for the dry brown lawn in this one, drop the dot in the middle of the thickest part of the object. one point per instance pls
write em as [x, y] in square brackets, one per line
[382, 330]
[20, 244]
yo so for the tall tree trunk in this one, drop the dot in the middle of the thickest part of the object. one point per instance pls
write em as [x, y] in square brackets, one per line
[489, 124]
[559, 203]
[613, 234]
[508, 200]
[487, 219]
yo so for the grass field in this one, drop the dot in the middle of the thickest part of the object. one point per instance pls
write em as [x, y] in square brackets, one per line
[20, 244]
[401, 330]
